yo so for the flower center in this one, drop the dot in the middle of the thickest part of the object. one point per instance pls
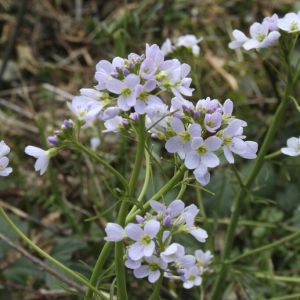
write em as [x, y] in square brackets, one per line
[143, 96]
[145, 239]
[160, 76]
[294, 26]
[202, 149]
[227, 140]
[192, 277]
[153, 267]
[260, 37]
[210, 123]
[185, 136]
[199, 261]
[126, 92]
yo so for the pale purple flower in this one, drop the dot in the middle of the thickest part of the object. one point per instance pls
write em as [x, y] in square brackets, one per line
[181, 142]
[126, 90]
[114, 232]
[4, 170]
[239, 39]
[167, 47]
[189, 41]
[167, 214]
[144, 98]
[152, 269]
[227, 109]
[132, 264]
[203, 258]
[261, 37]
[233, 140]
[114, 124]
[157, 116]
[208, 105]
[289, 23]
[293, 147]
[213, 121]
[203, 153]
[172, 253]
[143, 237]
[4, 149]
[95, 143]
[251, 150]
[191, 278]
[180, 106]
[85, 108]
[271, 22]
[42, 156]
[105, 71]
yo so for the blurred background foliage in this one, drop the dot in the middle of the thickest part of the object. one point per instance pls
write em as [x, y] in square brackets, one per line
[48, 51]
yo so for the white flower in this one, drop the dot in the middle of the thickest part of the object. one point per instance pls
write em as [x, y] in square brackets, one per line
[293, 147]
[261, 37]
[114, 232]
[42, 156]
[166, 47]
[95, 143]
[4, 149]
[189, 41]
[239, 39]
[4, 170]
[191, 278]
[290, 22]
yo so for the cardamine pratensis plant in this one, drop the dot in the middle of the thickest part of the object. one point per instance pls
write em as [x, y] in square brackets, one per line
[149, 97]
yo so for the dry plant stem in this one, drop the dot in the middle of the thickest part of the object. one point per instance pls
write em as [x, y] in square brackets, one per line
[42, 265]
[41, 252]
[236, 204]
[119, 247]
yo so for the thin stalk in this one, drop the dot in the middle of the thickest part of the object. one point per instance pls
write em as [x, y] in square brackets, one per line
[266, 247]
[156, 291]
[184, 184]
[237, 201]
[273, 155]
[41, 252]
[277, 278]
[103, 162]
[119, 247]
[169, 185]
[293, 296]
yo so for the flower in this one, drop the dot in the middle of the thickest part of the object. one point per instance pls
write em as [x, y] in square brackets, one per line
[167, 47]
[261, 37]
[114, 232]
[4, 149]
[95, 143]
[293, 147]
[42, 156]
[271, 22]
[152, 269]
[126, 90]
[191, 42]
[172, 253]
[203, 258]
[191, 277]
[4, 170]
[289, 23]
[181, 142]
[239, 39]
[144, 245]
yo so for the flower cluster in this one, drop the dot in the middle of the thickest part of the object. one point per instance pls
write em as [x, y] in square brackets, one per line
[293, 147]
[150, 251]
[267, 33]
[188, 41]
[156, 88]
[4, 161]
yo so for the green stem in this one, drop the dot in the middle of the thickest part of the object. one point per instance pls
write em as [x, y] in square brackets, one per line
[169, 185]
[236, 204]
[266, 247]
[119, 247]
[156, 291]
[41, 252]
[293, 296]
[183, 185]
[103, 162]
[273, 155]
[277, 278]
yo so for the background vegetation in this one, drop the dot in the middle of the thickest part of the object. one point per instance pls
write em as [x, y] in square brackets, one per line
[48, 51]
